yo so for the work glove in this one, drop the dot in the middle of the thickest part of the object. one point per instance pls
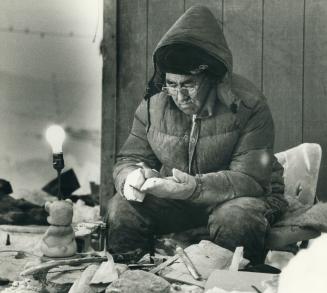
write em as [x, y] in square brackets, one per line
[180, 186]
[135, 180]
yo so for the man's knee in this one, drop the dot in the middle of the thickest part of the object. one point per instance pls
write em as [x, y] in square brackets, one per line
[128, 229]
[115, 205]
[239, 222]
[121, 212]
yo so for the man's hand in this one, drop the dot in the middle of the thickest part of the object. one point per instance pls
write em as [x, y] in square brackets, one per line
[180, 186]
[135, 180]
[133, 183]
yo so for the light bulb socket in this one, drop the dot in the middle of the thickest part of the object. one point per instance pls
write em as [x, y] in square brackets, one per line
[58, 162]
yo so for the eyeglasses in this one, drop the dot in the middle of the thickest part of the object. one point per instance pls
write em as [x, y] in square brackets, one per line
[184, 90]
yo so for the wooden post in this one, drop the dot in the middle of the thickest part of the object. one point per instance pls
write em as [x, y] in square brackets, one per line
[109, 101]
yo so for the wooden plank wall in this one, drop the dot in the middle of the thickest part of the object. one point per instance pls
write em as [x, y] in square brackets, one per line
[280, 45]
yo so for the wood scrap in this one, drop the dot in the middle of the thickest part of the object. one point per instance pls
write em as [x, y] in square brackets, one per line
[188, 263]
[236, 260]
[164, 264]
[44, 267]
[206, 257]
[183, 277]
[35, 229]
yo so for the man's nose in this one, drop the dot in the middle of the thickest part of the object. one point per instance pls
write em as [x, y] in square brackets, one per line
[181, 95]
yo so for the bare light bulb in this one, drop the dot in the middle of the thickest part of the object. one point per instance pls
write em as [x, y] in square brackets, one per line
[55, 136]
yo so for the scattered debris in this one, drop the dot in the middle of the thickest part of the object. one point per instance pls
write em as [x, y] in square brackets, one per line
[164, 264]
[8, 240]
[206, 257]
[187, 271]
[139, 282]
[121, 268]
[24, 286]
[44, 267]
[188, 263]
[106, 273]
[183, 288]
[4, 281]
[85, 213]
[82, 285]
[278, 259]
[60, 279]
[237, 258]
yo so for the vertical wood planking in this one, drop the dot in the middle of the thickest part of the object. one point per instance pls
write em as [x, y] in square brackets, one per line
[132, 40]
[243, 31]
[214, 5]
[161, 16]
[283, 68]
[315, 83]
[266, 39]
[109, 95]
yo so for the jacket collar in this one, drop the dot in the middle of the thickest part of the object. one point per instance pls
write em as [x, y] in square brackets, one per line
[224, 93]
[208, 107]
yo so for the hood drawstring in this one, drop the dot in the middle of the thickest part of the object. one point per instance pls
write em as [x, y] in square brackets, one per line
[155, 85]
[148, 112]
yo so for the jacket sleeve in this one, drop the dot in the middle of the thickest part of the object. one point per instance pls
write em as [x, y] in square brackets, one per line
[136, 149]
[249, 172]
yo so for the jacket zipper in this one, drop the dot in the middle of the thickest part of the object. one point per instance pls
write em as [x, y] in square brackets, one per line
[194, 136]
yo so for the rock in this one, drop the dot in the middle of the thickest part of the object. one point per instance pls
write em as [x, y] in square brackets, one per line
[139, 282]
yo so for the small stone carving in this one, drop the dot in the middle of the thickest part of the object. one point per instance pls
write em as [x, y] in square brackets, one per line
[59, 239]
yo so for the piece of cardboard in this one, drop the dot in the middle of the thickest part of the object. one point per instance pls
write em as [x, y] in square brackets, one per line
[205, 256]
[239, 281]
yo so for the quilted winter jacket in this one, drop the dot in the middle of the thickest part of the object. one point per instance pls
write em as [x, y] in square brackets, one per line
[228, 146]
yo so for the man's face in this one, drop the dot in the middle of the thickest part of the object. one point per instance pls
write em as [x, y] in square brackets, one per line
[188, 91]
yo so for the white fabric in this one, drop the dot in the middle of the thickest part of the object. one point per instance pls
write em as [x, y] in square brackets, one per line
[301, 169]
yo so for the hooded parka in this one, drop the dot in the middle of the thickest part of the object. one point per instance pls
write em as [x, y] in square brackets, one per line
[228, 146]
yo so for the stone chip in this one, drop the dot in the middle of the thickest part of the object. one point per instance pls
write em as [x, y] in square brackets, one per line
[138, 281]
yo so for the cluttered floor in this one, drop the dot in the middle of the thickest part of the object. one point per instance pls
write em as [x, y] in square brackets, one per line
[198, 267]
[202, 267]
[69, 255]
